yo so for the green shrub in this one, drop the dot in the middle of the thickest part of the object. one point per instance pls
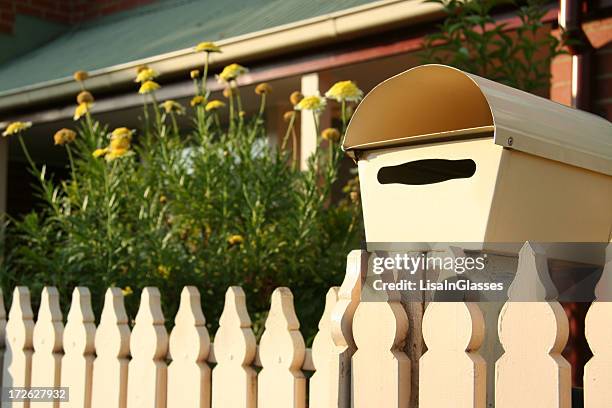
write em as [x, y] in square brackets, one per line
[212, 207]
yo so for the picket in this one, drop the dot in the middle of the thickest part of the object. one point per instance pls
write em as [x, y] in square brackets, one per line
[234, 381]
[17, 369]
[147, 372]
[2, 334]
[189, 374]
[380, 369]
[79, 350]
[282, 351]
[112, 342]
[533, 330]
[598, 371]
[47, 340]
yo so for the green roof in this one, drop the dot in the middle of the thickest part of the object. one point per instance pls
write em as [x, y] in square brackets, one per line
[161, 27]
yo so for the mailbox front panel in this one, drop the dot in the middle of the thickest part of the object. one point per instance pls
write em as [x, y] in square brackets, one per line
[425, 193]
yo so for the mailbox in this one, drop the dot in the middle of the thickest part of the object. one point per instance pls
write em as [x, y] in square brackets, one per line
[447, 156]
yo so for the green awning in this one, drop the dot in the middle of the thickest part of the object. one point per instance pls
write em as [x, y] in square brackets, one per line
[162, 27]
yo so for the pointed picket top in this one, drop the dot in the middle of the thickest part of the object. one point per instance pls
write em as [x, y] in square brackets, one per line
[348, 299]
[80, 323]
[603, 290]
[282, 351]
[189, 348]
[21, 306]
[235, 341]
[324, 378]
[19, 332]
[150, 311]
[532, 282]
[49, 323]
[112, 343]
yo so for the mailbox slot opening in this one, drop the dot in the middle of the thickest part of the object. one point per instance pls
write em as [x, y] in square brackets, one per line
[428, 171]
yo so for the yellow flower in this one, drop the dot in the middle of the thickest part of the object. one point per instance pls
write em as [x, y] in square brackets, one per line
[148, 87]
[100, 152]
[64, 136]
[232, 72]
[228, 92]
[242, 114]
[120, 143]
[116, 153]
[16, 127]
[171, 106]
[314, 103]
[207, 46]
[81, 110]
[194, 73]
[80, 76]
[295, 97]
[288, 115]
[122, 133]
[198, 100]
[85, 97]
[345, 91]
[331, 134]
[235, 240]
[146, 74]
[127, 291]
[263, 88]
[163, 271]
[214, 105]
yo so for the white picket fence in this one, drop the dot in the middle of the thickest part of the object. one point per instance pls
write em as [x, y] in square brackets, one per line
[357, 357]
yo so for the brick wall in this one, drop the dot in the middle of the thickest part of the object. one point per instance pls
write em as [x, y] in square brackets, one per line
[599, 33]
[62, 11]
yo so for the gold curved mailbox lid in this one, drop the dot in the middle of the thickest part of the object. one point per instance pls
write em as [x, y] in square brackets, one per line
[432, 103]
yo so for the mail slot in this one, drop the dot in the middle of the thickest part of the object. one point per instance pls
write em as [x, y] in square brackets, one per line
[447, 156]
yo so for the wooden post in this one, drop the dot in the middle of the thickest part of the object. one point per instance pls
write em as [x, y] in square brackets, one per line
[110, 369]
[282, 350]
[17, 368]
[79, 349]
[189, 374]
[147, 374]
[48, 350]
[598, 371]
[533, 330]
[234, 381]
[311, 84]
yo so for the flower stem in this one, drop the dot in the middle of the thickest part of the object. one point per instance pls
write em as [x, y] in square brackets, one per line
[205, 75]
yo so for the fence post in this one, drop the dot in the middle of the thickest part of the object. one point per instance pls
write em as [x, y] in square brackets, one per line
[533, 330]
[324, 380]
[47, 340]
[2, 334]
[79, 336]
[234, 381]
[112, 341]
[18, 354]
[380, 369]
[147, 374]
[189, 374]
[282, 351]
[598, 371]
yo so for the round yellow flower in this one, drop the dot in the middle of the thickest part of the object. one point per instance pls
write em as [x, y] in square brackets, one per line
[120, 143]
[80, 76]
[331, 134]
[228, 92]
[171, 106]
[100, 152]
[15, 128]
[148, 87]
[85, 97]
[232, 72]
[194, 73]
[127, 291]
[163, 271]
[235, 240]
[198, 100]
[116, 153]
[64, 136]
[81, 110]
[344, 91]
[314, 103]
[146, 74]
[295, 97]
[207, 46]
[214, 105]
[122, 133]
[263, 88]
[288, 115]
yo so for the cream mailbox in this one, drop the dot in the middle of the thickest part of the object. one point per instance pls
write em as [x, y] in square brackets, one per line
[446, 156]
